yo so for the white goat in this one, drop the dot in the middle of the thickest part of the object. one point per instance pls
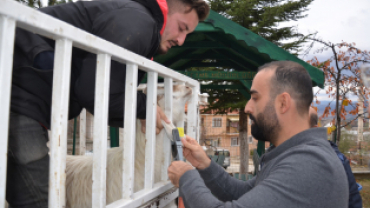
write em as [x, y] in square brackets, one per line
[79, 168]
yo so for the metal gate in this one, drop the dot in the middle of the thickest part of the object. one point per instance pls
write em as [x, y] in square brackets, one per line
[12, 15]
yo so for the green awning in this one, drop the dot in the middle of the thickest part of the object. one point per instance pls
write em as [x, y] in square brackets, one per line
[220, 42]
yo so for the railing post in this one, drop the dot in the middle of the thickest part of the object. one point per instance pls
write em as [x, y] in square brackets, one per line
[151, 115]
[180, 123]
[192, 126]
[74, 136]
[82, 145]
[129, 132]
[59, 121]
[100, 130]
[7, 33]
[168, 88]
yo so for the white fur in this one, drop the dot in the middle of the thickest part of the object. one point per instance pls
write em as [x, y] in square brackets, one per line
[79, 168]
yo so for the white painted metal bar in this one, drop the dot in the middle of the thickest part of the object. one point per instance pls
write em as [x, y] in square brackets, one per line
[169, 198]
[40, 23]
[7, 33]
[142, 197]
[82, 145]
[65, 34]
[168, 83]
[100, 130]
[180, 123]
[151, 115]
[129, 132]
[59, 121]
[192, 117]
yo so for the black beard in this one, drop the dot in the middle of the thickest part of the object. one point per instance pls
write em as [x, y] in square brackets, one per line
[266, 126]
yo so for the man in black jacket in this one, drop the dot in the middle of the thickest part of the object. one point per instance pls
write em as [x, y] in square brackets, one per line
[354, 200]
[144, 27]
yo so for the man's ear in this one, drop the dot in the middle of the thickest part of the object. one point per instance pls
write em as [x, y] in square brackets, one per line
[284, 102]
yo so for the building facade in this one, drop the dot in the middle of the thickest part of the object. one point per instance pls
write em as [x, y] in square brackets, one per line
[222, 131]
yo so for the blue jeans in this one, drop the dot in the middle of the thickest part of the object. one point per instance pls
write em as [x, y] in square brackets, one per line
[28, 163]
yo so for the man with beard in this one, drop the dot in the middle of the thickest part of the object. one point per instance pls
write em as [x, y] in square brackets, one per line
[299, 170]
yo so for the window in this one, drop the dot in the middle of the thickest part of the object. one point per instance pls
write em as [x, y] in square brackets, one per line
[214, 143]
[216, 122]
[234, 141]
[234, 124]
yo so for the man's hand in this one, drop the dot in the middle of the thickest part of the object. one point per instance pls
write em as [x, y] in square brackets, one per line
[176, 170]
[159, 126]
[195, 154]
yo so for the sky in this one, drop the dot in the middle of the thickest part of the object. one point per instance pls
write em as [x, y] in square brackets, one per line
[334, 21]
[337, 20]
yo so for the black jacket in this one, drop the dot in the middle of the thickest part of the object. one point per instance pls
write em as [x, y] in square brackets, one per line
[355, 200]
[132, 24]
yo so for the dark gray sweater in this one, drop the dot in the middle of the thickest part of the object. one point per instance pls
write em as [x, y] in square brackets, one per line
[302, 172]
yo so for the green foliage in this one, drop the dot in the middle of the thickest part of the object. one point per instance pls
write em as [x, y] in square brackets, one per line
[225, 100]
[348, 141]
[55, 2]
[32, 3]
[38, 3]
[263, 18]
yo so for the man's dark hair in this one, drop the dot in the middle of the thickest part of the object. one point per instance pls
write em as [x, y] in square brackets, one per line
[200, 6]
[292, 78]
[313, 120]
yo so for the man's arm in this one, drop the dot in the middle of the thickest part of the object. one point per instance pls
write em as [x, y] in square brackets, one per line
[222, 185]
[217, 180]
[196, 194]
[290, 183]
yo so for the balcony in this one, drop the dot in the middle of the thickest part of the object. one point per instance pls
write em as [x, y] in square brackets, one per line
[232, 125]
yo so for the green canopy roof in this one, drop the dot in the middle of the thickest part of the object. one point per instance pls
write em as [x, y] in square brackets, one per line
[220, 42]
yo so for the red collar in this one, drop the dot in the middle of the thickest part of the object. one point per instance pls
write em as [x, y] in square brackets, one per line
[164, 8]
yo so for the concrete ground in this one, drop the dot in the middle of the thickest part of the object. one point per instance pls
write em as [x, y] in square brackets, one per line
[234, 166]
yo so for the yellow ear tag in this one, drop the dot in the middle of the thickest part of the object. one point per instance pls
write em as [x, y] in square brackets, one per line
[181, 132]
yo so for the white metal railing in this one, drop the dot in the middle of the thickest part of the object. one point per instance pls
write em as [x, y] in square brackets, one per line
[82, 146]
[7, 31]
[13, 14]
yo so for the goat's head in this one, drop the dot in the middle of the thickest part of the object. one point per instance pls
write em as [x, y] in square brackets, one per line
[181, 95]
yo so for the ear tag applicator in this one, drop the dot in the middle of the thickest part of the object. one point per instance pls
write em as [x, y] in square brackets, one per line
[176, 144]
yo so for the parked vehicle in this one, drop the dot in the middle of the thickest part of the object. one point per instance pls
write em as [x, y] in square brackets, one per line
[226, 153]
[220, 156]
